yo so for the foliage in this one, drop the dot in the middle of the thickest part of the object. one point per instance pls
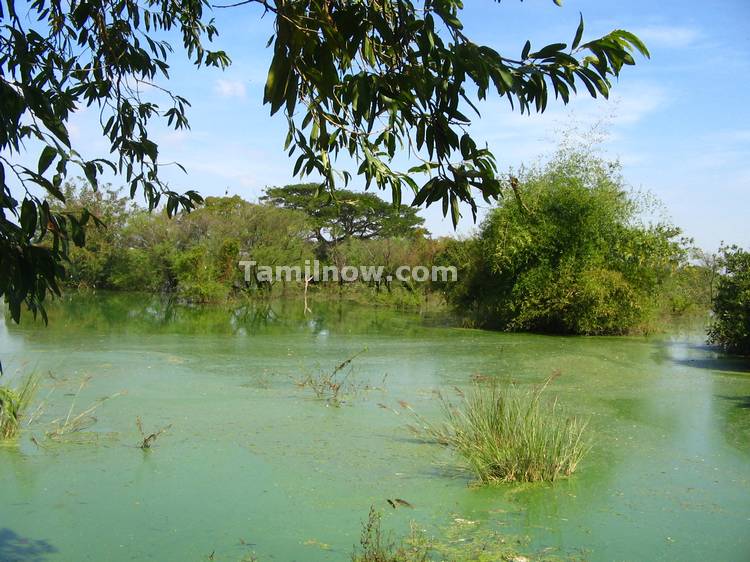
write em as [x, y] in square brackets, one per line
[56, 57]
[197, 256]
[511, 434]
[689, 290]
[731, 304]
[92, 265]
[351, 215]
[371, 76]
[13, 403]
[381, 76]
[567, 254]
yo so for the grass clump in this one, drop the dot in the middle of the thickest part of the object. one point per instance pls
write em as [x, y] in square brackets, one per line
[510, 434]
[13, 403]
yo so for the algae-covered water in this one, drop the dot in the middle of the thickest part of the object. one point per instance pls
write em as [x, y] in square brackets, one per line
[254, 465]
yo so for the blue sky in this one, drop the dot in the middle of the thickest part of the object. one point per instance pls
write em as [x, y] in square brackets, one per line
[679, 123]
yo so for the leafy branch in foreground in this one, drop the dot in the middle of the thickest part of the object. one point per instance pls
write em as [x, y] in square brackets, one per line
[55, 58]
[369, 79]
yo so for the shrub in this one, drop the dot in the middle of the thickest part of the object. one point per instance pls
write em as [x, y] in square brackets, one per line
[731, 304]
[567, 254]
[511, 434]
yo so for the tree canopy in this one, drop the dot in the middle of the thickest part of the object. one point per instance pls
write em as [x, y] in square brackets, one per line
[352, 215]
[363, 78]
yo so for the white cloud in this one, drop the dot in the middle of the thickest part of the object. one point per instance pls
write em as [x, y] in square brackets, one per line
[673, 37]
[230, 88]
[516, 138]
[634, 103]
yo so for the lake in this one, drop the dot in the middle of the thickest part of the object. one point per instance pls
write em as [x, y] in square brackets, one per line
[255, 465]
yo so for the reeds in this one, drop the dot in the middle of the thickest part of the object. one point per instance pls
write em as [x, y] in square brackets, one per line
[335, 385]
[511, 434]
[73, 422]
[13, 404]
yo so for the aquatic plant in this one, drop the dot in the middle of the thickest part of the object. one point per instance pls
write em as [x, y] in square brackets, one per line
[511, 434]
[13, 403]
[376, 546]
[148, 439]
[461, 540]
[75, 423]
[334, 385]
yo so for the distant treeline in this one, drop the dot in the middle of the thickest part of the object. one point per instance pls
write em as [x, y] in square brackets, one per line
[566, 251]
[196, 256]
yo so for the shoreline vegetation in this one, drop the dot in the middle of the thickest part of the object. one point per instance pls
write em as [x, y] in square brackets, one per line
[569, 253]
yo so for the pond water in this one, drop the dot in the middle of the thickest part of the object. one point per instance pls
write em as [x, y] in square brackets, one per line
[255, 465]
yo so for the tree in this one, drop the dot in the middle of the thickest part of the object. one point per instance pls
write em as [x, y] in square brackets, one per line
[350, 215]
[92, 265]
[731, 327]
[368, 77]
[568, 255]
[196, 255]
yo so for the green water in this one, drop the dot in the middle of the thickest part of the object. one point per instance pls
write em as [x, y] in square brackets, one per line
[253, 458]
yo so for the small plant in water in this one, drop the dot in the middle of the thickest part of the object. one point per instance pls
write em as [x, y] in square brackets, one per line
[76, 423]
[511, 434]
[376, 546]
[333, 386]
[13, 403]
[147, 440]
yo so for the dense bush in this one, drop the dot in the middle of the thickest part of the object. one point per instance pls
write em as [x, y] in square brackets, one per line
[731, 304]
[566, 253]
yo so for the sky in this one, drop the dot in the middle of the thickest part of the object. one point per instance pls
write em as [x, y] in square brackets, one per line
[679, 123]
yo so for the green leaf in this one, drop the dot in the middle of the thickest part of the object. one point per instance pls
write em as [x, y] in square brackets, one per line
[455, 213]
[46, 158]
[28, 217]
[526, 50]
[579, 35]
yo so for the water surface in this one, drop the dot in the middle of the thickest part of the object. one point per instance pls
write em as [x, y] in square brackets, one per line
[255, 464]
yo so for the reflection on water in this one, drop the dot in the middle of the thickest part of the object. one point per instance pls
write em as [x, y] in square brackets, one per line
[14, 548]
[254, 463]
